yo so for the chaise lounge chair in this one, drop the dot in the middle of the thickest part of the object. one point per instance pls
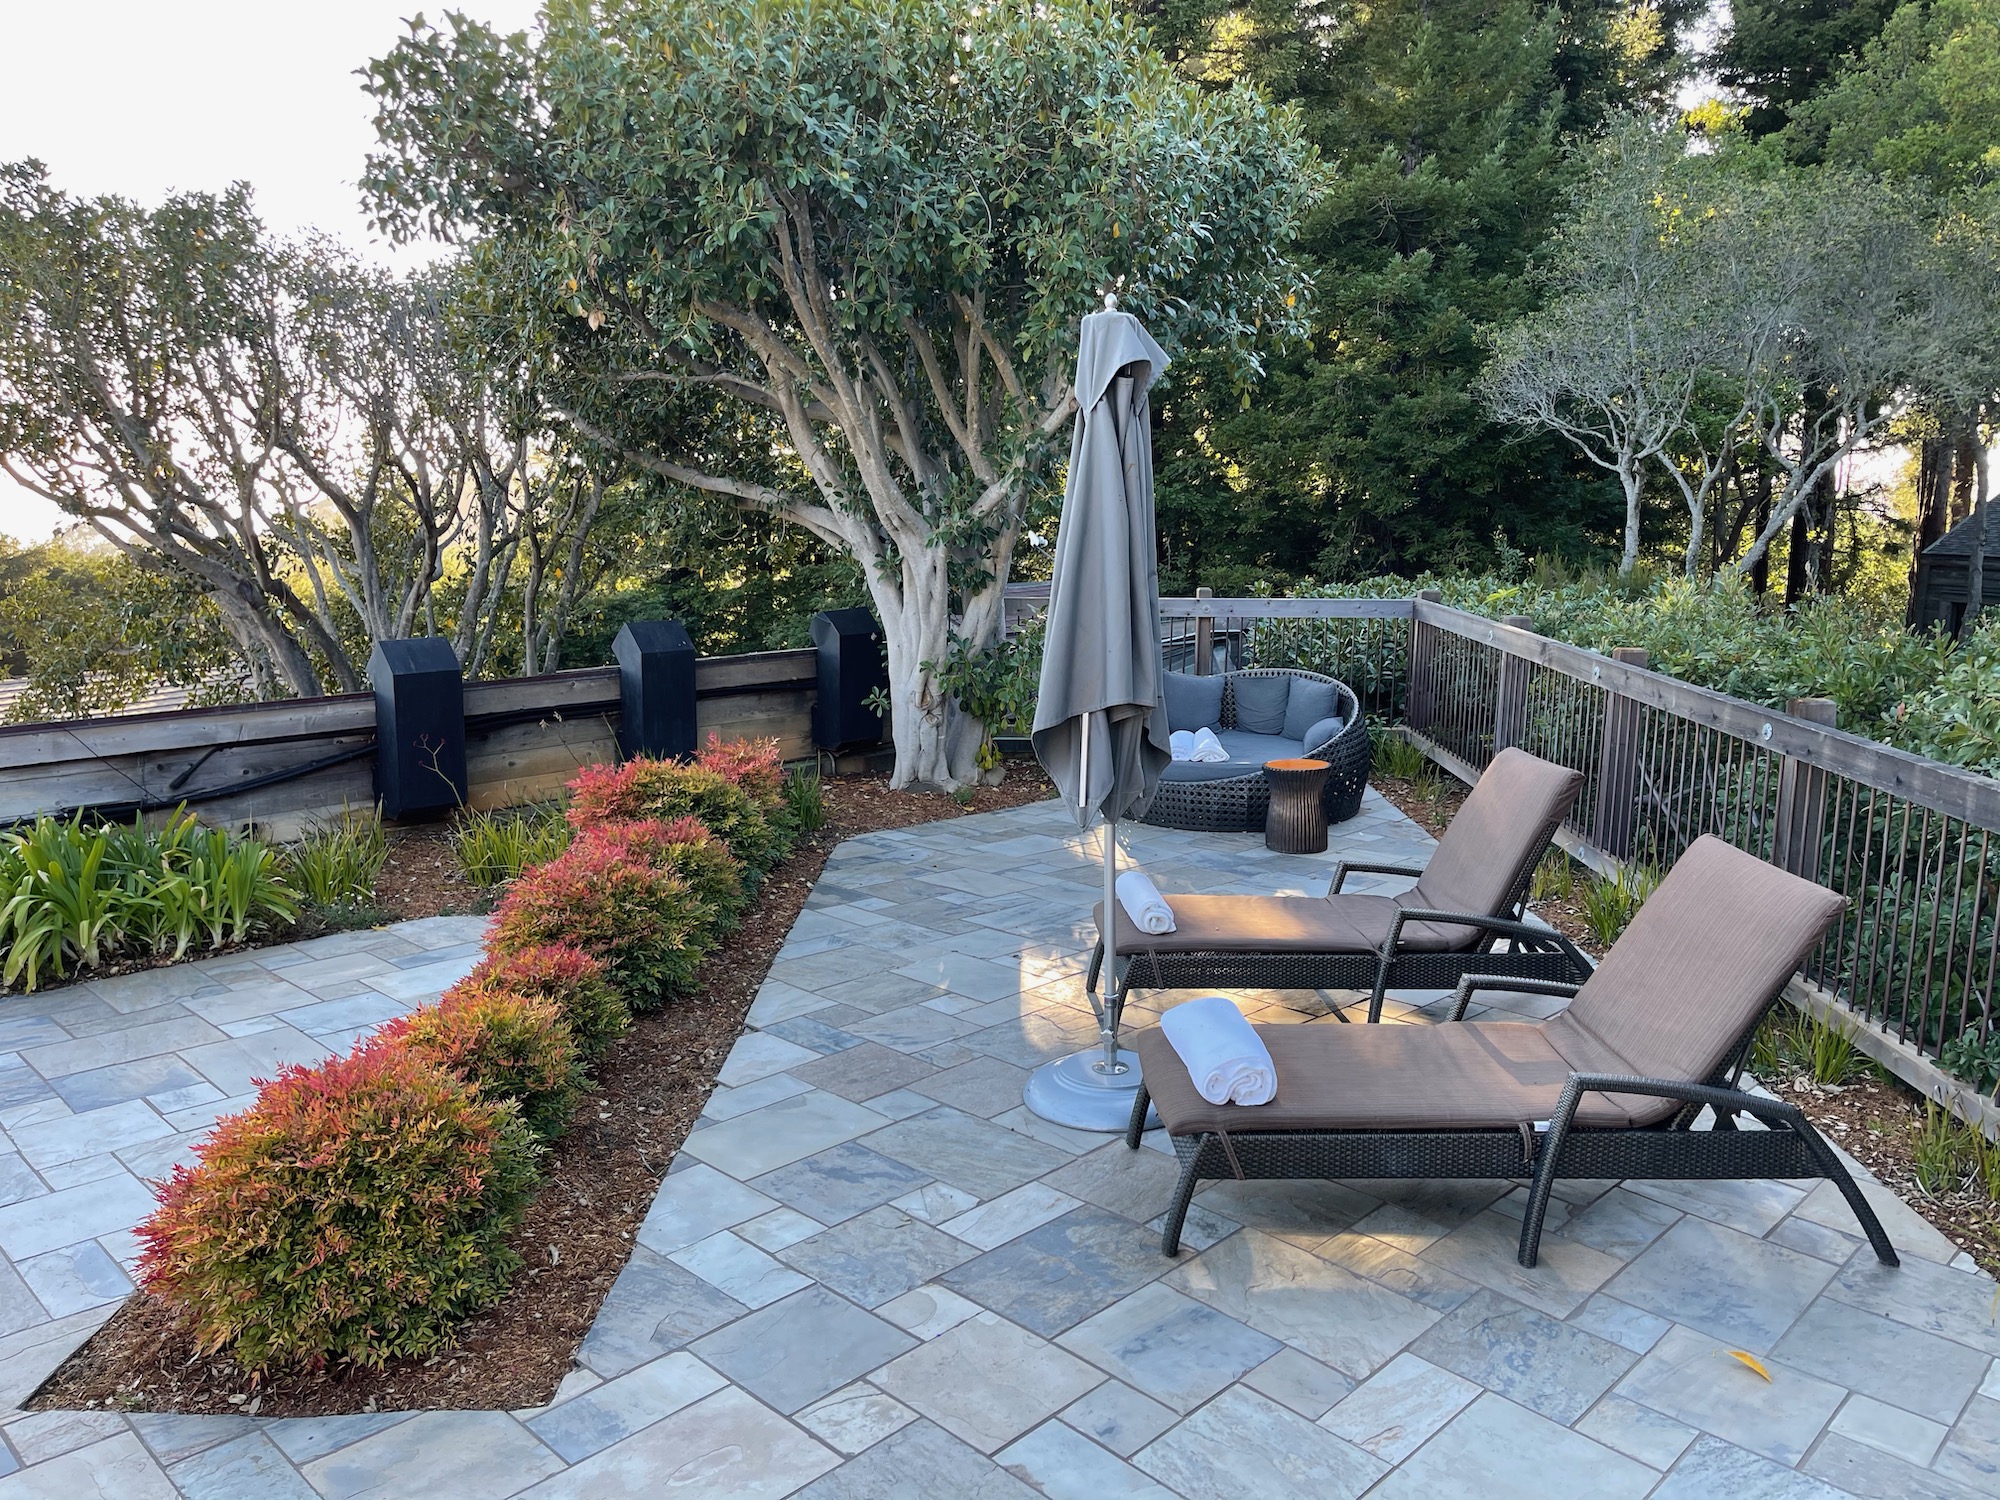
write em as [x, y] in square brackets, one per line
[1608, 1088]
[1465, 901]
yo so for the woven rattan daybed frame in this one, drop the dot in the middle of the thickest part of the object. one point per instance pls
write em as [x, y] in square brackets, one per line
[1238, 804]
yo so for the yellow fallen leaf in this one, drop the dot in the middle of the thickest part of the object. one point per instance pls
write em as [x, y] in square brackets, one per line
[1753, 1362]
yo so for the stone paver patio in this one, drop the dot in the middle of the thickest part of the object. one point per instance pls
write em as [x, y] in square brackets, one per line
[872, 1274]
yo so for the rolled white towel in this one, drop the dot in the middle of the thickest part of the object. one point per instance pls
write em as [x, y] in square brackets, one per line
[1207, 747]
[1181, 741]
[1143, 903]
[1225, 1057]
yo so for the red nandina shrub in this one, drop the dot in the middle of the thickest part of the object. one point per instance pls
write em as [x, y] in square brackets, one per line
[355, 1212]
[643, 923]
[575, 981]
[686, 847]
[644, 789]
[504, 1046]
[755, 765]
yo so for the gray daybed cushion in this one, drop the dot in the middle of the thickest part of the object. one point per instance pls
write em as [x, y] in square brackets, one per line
[1193, 702]
[1247, 754]
[1260, 704]
[1324, 732]
[1309, 703]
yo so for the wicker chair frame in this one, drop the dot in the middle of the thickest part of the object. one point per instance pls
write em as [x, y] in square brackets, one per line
[1787, 1147]
[1533, 953]
[1238, 804]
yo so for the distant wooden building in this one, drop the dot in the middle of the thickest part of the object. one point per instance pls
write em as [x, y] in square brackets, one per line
[1939, 596]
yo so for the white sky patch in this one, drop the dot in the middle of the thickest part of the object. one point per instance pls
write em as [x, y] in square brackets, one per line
[140, 99]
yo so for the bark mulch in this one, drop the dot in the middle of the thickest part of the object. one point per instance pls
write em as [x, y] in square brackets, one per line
[598, 1179]
[1874, 1117]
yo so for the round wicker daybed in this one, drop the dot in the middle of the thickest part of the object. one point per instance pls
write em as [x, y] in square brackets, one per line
[1233, 796]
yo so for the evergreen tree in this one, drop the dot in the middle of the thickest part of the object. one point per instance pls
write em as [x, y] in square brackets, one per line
[1778, 53]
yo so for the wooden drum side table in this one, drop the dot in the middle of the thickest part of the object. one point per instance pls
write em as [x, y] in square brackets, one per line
[1296, 823]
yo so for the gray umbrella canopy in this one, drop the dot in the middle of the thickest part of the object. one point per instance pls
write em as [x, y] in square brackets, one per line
[1100, 729]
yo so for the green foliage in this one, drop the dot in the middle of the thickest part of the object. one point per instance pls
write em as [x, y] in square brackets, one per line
[1610, 902]
[93, 631]
[1820, 1047]
[644, 789]
[354, 1213]
[1555, 878]
[805, 800]
[494, 847]
[1779, 52]
[78, 894]
[1975, 1059]
[503, 1046]
[1397, 756]
[997, 684]
[1950, 1154]
[335, 862]
[574, 981]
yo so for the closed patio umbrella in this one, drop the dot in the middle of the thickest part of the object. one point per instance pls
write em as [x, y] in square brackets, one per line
[1100, 728]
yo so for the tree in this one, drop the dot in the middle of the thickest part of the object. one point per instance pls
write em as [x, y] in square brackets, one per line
[1778, 53]
[313, 440]
[1633, 323]
[826, 260]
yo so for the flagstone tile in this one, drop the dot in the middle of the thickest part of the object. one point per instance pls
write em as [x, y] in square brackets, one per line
[1137, 1184]
[1395, 1411]
[1620, 1322]
[1692, 1378]
[470, 1455]
[796, 1351]
[36, 1225]
[119, 1468]
[1714, 1468]
[912, 1028]
[653, 1308]
[739, 1270]
[1904, 1366]
[1562, 1279]
[1065, 1465]
[877, 1256]
[1754, 1206]
[1179, 1351]
[725, 1103]
[1971, 1452]
[1055, 1276]
[1728, 1285]
[1891, 1429]
[725, 1445]
[1119, 1417]
[836, 1184]
[855, 1419]
[1001, 1219]
[1499, 1451]
[246, 1468]
[1637, 1431]
[1556, 1369]
[696, 1202]
[780, 1133]
[41, 1436]
[927, 1311]
[1305, 1211]
[1242, 1443]
[921, 1462]
[303, 1439]
[987, 1381]
[1329, 1313]
[1920, 1294]
[1299, 1382]
[986, 1086]
[615, 1409]
[759, 1054]
[974, 1155]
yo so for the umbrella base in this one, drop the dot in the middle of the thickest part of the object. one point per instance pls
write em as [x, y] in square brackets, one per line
[1073, 1091]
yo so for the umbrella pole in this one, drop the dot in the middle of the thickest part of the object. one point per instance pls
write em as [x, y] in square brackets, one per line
[1114, 991]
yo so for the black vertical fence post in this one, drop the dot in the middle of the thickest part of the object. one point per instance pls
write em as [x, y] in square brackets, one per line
[419, 727]
[655, 689]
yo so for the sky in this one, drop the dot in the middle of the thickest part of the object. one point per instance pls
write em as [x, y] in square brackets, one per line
[139, 99]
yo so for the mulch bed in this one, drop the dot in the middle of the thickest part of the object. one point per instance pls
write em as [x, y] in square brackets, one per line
[1873, 1118]
[598, 1180]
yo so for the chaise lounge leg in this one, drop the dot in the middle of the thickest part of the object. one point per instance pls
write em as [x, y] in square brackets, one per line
[1170, 1234]
[1137, 1127]
[1831, 1168]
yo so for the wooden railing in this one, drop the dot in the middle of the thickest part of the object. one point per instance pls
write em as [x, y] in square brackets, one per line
[281, 765]
[1913, 844]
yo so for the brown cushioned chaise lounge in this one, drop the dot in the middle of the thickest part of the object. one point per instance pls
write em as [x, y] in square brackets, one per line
[1609, 1088]
[1466, 899]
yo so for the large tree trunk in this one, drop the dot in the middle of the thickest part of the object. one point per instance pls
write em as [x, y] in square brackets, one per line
[1632, 481]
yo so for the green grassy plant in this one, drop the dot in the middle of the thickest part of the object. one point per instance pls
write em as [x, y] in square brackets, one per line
[1396, 756]
[1822, 1048]
[336, 862]
[1555, 878]
[805, 801]
[1610, 902]
[495, 847]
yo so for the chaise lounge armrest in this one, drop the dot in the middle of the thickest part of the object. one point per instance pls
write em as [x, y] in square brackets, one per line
[1349, 867]
[1509, 927]
[1725, 1102]
[1468, 986]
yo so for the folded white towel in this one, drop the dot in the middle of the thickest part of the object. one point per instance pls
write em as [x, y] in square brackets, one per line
[1207, 747]
[1143, 903]
[1225, 1057]
[1181, 741]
